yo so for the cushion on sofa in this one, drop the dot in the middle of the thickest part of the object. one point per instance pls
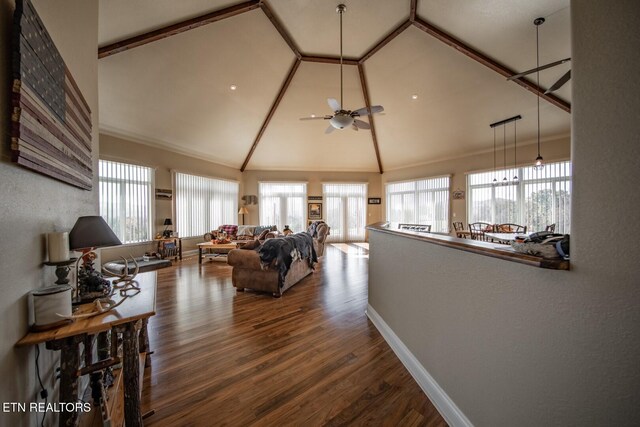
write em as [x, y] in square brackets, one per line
[230, 229]
[259, 229]
[246, 230]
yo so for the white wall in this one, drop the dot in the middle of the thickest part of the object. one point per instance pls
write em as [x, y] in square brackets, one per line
[518, 345]
[32, 205]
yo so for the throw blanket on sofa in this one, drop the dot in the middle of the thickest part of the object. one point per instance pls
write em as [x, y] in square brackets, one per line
[281, 252]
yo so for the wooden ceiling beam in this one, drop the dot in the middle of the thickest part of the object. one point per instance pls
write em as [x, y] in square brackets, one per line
[280, 28]
[413, 8]
[367, 103]
[490, 63]
[272, 110]
[392, 35]
[329, 59]
[180, 27]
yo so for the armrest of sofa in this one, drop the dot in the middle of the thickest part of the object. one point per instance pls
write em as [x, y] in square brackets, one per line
[244, 258]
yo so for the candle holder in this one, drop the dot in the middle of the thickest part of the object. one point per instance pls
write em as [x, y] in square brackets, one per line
[62, 270]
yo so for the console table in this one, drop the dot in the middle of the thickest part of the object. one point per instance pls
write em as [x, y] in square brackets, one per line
[128, 320]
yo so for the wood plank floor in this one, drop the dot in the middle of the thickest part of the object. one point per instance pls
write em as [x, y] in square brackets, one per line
[308, 358]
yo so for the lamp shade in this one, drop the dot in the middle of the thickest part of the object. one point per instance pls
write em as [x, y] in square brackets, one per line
[92, 232]
[167, 221]
[243, 211]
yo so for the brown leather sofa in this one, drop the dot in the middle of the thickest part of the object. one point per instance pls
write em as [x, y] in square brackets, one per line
[247, 272]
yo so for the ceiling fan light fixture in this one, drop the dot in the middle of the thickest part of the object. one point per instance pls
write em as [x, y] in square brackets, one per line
[340, 121]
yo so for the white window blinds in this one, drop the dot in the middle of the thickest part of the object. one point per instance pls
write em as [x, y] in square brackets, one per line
[203, 204]
[537, 199]
[346, 208]
[424, 201]
[126, 200]
[283, 203]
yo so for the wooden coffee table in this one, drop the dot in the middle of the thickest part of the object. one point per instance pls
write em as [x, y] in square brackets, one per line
[217, 249]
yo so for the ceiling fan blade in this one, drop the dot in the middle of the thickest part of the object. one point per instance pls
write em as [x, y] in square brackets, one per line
[561, 81]
[316, 118]
[329, 130]
[364, 110]
[333, 104]
[540, 68]
[361, 124]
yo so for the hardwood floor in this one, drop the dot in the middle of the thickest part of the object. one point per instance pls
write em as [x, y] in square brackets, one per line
[308, 358]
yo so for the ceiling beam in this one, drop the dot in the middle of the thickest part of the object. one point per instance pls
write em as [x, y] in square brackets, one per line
[329, 59]
[273, 109]
[413, 10]
[367, 103]
[490, 63]
[278, 25]
[392, 35]
[180, 27]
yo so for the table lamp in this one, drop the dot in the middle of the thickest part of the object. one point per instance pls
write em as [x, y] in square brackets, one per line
[167, 223]
[243, 211]
[88, 233]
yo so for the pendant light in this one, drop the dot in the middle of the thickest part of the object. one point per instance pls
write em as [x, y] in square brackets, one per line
[495, 180]
[505, 181]
[539, 164]
[515, 148]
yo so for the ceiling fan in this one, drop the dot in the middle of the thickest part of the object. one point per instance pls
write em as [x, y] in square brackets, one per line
[561, 81]
[341, 119]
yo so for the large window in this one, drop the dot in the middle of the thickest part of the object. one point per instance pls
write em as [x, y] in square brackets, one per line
[126, 200]
[203, 204]
[536, 199]
[283, 203]
[346, 208]
[424, 201]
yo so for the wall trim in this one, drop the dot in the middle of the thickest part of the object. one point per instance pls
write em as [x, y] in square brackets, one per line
[443, 403]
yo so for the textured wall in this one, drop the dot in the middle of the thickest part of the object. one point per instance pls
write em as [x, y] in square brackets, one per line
[33, 205]
[517, 345]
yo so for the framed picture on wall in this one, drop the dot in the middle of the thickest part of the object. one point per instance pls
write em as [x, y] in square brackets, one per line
[458, 194]
[315, 210]
[374, 200]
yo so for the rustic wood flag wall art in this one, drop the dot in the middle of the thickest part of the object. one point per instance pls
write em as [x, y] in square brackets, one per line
[50, 119]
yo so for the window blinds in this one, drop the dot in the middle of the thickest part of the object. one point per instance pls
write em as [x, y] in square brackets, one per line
[125, 193]
[536, 199]
[424, 201]
[283, 203]
[203, 204]
[346, 208]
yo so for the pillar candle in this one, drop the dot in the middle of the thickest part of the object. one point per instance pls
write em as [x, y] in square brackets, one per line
[58, 245]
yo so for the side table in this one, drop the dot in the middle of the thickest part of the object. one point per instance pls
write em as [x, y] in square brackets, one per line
[170, 253]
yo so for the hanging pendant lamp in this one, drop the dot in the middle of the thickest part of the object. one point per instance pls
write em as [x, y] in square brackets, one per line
[495, 180]
[515, 148]
[539, 164]
[505, 181]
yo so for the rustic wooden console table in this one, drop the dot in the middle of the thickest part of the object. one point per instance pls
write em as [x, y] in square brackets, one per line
[128, 320]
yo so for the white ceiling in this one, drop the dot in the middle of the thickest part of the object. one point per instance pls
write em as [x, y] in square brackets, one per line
[175, 92]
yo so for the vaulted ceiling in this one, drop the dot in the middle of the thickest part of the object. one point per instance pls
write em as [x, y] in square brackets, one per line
[174, 92]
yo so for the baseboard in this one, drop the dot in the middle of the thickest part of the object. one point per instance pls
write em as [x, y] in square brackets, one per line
[443, 403]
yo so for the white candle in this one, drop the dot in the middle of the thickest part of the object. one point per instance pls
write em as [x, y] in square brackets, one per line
[58, 245]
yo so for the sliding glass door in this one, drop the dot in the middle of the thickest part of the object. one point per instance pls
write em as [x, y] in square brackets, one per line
[346, 208]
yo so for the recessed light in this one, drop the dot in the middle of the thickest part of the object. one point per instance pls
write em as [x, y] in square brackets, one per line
[233, 87]
[414, 96]
[313, 116]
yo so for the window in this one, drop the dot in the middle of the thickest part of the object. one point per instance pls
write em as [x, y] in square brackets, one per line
[346, 208]
[425, 201]
[283, 203]
[537, 199]
[204, 204]
[126, 200]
